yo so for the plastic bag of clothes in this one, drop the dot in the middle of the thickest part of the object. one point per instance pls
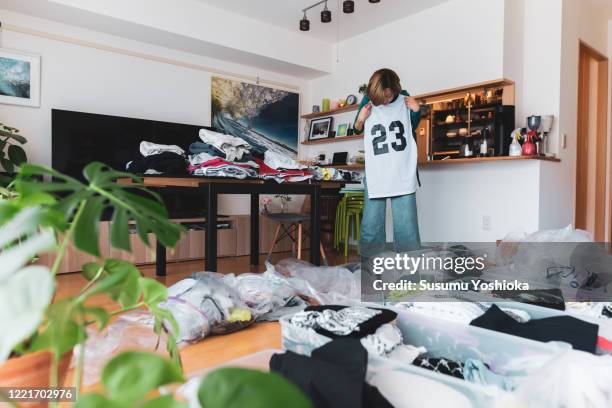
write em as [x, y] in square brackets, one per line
[204, 305]
[565, 258]
[320, 284]
[261, 293]
[130, 331]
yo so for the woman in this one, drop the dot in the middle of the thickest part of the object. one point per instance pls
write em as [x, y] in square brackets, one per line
[387, 117]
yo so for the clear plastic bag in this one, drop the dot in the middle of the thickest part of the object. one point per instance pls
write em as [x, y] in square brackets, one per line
[130, 331]
[204, 305]
[322, 285]
[262, 293]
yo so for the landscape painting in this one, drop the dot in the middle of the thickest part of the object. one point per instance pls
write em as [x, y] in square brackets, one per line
[265, 117]
[19, 78]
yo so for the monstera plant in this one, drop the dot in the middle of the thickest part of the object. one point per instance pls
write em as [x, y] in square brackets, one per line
[12, 154]
[46, 211]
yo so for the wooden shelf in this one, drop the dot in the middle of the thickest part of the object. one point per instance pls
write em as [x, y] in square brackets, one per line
[331, 112]
[488, 159]
[487, 84]
[345, 166]
[332, 140]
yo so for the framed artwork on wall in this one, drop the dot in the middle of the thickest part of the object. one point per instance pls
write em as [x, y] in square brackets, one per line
[267, 118]
[320, 128]
[19, 78]
[342, 130]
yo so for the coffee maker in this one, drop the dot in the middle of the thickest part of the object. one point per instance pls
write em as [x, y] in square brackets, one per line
[541, 125]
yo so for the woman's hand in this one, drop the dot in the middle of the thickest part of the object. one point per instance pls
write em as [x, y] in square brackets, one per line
[412, 103]
[364, 113]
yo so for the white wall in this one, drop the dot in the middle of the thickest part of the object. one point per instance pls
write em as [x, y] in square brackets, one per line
[90, 80]
[454, 44]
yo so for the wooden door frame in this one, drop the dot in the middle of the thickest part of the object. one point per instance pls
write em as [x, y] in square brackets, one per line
[602, 207]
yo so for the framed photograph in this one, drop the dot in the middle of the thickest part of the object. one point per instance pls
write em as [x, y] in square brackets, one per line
[19, 78]
[342, 130]
[320, 128]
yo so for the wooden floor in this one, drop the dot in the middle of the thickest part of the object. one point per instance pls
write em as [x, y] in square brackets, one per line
[214, 350]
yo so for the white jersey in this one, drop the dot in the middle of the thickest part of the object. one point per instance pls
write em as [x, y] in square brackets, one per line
[390, 151]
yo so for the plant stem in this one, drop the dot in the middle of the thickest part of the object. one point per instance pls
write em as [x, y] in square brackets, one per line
[67, 238]
[78, 376]
[54, 376]
[116, 312]
[95, 278]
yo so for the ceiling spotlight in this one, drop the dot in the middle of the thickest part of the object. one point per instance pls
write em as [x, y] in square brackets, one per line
[304, 23]
[326, 15]
[374, 1]
[348, 6]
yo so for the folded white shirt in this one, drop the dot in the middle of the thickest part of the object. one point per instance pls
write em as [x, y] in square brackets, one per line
[280, 161]
[149, 149]
[233, 147]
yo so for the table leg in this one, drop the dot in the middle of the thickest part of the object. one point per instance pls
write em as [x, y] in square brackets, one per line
[211, 229]
[160, 259]
[254, 229]
[315, 225]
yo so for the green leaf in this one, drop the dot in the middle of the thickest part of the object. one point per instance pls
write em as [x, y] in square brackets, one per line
[130, 376]
[17, 155]
[86, 232]
[25, 297]
[238, 387]
[99, 315]
[120, 231]
[96, 401]
[153, 291]
[62, 332]
[165, 401]
[91, 270]
[7, 165]
[12, 133]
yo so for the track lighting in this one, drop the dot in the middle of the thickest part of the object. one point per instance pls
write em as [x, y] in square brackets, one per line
[326, 15]
[348, 6]
[304, 23]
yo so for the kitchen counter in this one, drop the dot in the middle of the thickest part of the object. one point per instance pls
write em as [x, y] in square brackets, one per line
[487, 159]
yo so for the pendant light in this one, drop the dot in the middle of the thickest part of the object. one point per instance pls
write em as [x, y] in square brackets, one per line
[348, 6]
[374, 1]
[326, 16]
[304, 23]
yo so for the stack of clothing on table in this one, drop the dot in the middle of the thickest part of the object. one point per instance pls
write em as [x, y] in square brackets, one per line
[158, 159]
[219, 155]
[281, 168]
[332, 174]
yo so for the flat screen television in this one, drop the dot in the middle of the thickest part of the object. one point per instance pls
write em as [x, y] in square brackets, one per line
[79, 138]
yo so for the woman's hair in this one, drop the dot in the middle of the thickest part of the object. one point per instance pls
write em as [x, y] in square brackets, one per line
[381, 80]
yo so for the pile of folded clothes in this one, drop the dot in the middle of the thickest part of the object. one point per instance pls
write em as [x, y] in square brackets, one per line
[280, 168]
[158, 159]
[219, 155]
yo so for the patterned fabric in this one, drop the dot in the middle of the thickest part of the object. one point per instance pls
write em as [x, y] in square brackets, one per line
[440, 365]
[342, 322]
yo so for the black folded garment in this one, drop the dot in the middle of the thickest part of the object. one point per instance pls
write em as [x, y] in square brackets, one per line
[580, 334]
[333, 377]
[550, 298]
[166, 162]
[366, 328]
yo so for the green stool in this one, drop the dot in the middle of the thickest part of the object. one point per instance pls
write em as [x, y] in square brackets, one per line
[349, 212]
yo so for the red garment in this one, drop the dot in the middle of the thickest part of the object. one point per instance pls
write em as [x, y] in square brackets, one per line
[218, 162]
[604, 343]
[265, 170]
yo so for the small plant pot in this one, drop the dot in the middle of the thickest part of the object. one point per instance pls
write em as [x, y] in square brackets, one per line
[32, 370]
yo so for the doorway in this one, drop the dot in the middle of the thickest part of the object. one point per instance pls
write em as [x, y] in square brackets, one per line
[592, 135]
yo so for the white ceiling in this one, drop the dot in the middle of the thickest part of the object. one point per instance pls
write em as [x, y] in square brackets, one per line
[287, 14]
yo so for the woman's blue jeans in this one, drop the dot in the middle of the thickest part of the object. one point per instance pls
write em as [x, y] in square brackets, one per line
[406, 235]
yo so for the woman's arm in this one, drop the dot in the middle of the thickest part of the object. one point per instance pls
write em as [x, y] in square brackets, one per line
[356, 125]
